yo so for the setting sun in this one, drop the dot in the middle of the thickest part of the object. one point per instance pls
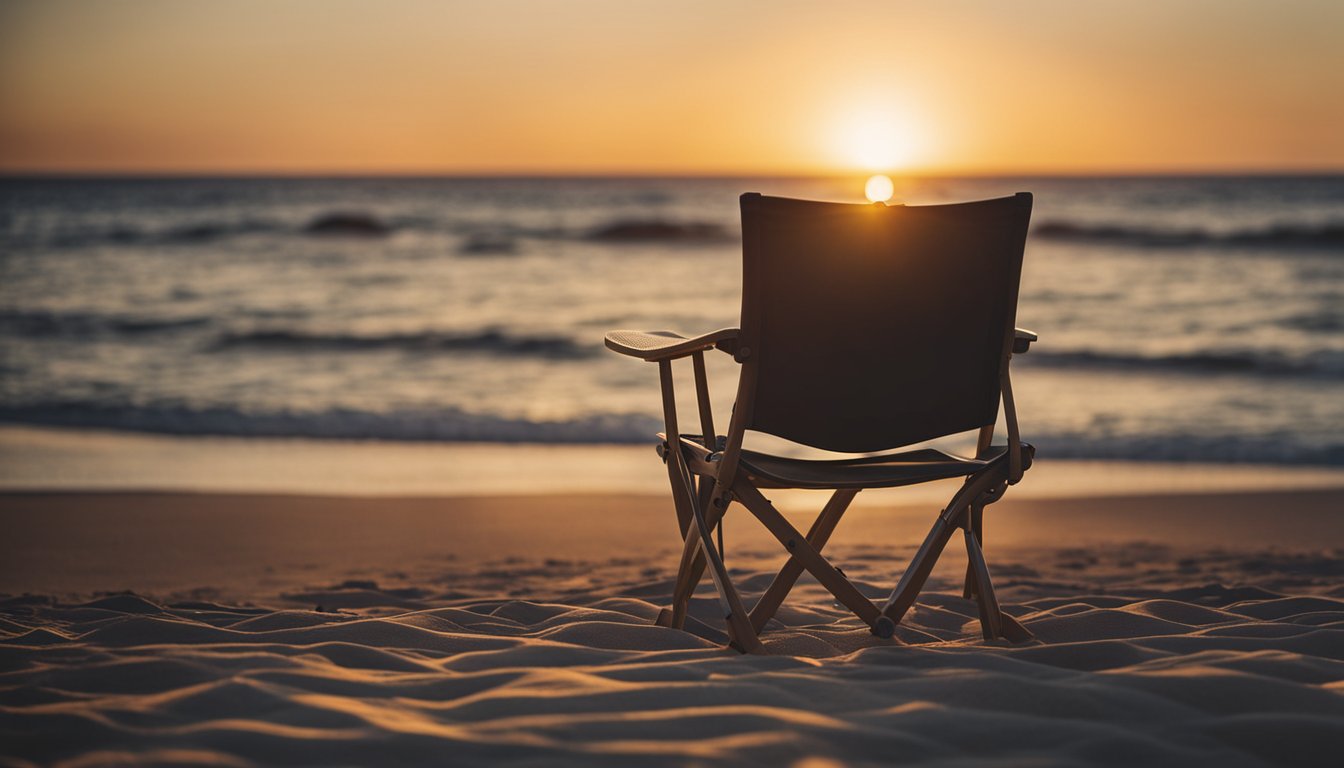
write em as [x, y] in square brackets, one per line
[879, 188]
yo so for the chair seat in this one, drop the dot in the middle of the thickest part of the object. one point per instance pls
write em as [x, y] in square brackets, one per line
[885, 471]
[888, 470]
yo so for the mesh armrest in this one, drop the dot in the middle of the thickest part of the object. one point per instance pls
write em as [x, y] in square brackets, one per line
[665, 345]
[1022, 341]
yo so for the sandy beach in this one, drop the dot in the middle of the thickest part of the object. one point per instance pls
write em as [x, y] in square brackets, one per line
[345, 348]
[236, 629]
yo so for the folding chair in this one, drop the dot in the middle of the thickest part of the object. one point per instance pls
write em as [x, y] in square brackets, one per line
[865, 329]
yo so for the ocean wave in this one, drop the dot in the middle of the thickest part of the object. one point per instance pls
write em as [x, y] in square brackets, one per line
[1183, 448]
[1328, 321]
[490, 340]
[1322, 236]
[127, 235]
[478, 237]
[1321, 363]
[499, 238]
[210, 231]
[347, 224]
[658, 231]
[453, 425]
[448, 424]
[90, 325]
[39, 323]
[334, 224]
[487, 244]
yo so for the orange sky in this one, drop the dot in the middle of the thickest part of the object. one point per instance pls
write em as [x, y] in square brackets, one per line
[630, 86]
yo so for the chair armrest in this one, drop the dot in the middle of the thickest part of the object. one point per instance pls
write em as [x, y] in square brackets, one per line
[667, 345]
[1022, 340]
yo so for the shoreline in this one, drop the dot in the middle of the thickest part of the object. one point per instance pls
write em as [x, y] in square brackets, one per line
[59, 459]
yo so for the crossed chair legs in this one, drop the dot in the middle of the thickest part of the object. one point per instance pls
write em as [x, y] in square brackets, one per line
[701, 511]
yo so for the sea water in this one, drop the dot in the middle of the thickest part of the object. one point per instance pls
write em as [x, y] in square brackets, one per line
[1181, 319]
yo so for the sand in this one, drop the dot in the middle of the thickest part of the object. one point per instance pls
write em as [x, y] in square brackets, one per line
[234, 629]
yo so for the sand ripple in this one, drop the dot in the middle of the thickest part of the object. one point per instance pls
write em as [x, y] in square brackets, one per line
[1128, 669]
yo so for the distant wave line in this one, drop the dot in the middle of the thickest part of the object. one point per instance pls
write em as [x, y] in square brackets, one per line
[447, 424]
[40, 323]
[660, 230]
[453, 425]
[489, 340]
[1323, 363]
[483, 237]
[477, 237]
[91, 325]
[1327, 236]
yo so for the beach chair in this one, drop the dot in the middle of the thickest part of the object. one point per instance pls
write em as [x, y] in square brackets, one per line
[865, 330]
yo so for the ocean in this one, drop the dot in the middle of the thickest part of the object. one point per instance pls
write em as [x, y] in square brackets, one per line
[1181, 319]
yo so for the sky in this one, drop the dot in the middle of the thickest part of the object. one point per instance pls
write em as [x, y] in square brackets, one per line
[686, 87]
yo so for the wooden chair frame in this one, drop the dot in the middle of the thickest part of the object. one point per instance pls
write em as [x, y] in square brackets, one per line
[707, 474]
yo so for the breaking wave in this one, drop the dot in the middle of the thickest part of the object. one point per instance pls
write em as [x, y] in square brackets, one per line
[347, 224]
[88, 324]
[1323, 236]
[449, 424]
[490, 341]
[453, 425]
[1322, 363]
[333, 224]
[500, 238]
[1212, 449]
[659, 231]
[122, 235]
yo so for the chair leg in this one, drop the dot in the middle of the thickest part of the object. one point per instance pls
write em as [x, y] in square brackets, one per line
[812, 561]
[741, 635]
[692, 565]
[698, 536]
[704, 491]
[677, 480]
[990, 626]
[977, 515]
[817, 536]
[689, 573]
[912, 581]
[917, 573]
[993, 621]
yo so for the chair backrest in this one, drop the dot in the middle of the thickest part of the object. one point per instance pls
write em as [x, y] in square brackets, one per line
[870, 327]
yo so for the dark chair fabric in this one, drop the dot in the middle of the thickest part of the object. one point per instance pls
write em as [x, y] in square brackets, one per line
[878, 326]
